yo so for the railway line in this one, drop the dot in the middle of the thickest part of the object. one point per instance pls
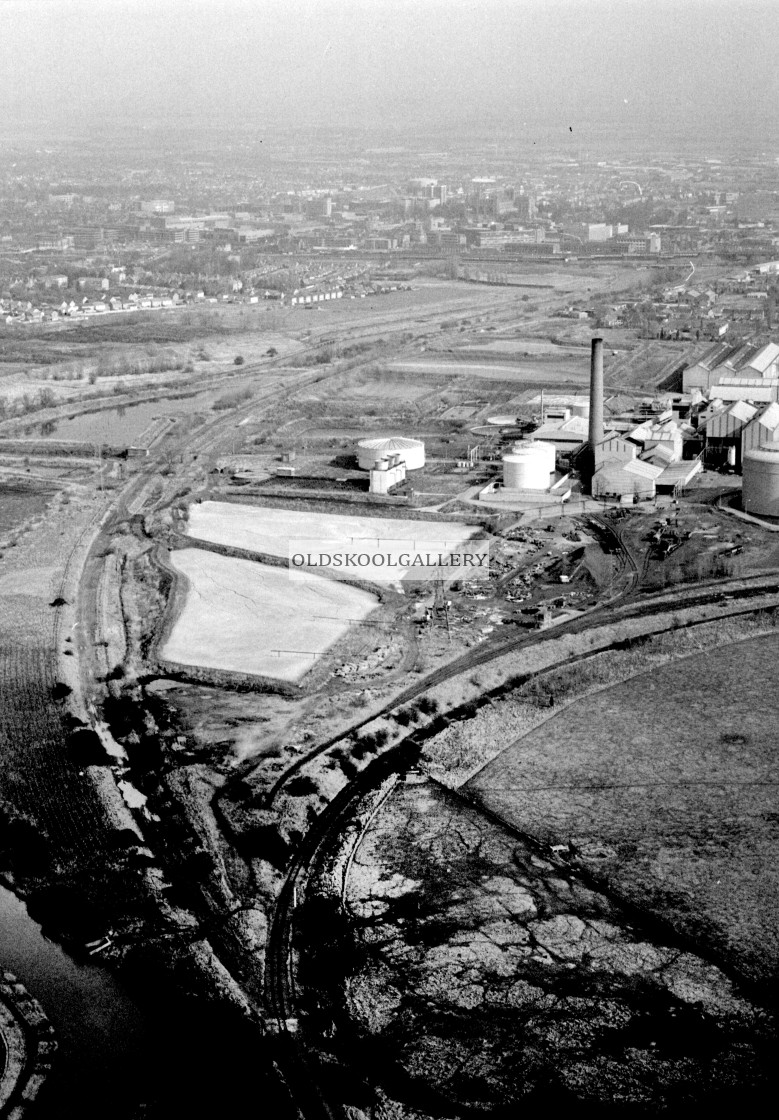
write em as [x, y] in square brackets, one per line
[280, 991]
[741, 589]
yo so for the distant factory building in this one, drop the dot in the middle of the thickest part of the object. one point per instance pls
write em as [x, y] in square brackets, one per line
[158, 206]
[736, 364]
[371, 452]
[558, 406]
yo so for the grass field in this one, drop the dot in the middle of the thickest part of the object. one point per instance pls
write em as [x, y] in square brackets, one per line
[566, 371]
[666, 785]
[18, 505]
[251, 618]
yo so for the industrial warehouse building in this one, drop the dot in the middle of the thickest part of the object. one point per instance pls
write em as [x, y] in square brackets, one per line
[626, 481]
[736, 370]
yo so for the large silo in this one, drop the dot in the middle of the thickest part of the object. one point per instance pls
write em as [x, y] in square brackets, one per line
[411, 452]
[541, 447]
[760, 471]
[527, 467]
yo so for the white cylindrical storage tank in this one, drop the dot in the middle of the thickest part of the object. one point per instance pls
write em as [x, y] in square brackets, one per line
[761, 481]
[526, 469]
[541, 447]
[580, 408]
[411, 451]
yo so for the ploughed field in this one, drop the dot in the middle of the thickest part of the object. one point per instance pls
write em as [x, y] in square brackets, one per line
[41, 777]
[666, 788]
[271, 531]
[253, 618]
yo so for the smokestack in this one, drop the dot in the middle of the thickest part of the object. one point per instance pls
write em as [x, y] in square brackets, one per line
[596, 392]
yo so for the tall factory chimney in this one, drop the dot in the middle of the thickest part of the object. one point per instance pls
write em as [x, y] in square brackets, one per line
[596, 392]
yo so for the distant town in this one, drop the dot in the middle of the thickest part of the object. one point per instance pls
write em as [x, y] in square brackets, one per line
[300, 229]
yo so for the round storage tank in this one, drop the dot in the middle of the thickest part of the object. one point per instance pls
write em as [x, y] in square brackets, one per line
[760, 469]
[527, 468]
[540, 448]
[411, 451]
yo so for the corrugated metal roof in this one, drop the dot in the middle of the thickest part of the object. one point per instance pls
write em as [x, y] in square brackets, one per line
[770, 417]
[642, 469]
[743, 411]
[712, 356]
[576, 427]
[765, 356]
[577, 424]
[736, 379]
[760, 394]
[659, 455]
[554, 433]
[560, 399]
[679, 474]
[615, 478]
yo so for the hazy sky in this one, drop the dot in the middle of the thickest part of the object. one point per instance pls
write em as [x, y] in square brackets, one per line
[70, 64]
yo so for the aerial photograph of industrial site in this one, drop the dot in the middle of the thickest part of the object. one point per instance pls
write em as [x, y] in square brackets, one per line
[389, 559]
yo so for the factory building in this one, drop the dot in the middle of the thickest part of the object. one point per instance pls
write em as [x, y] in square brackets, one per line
[370, 452]
[740, 366]
[660, 434]
[626, 482]
[763, 429]
[559, 407]
[566, 436]
[628, 466]
[761, 481]
[723, 433]
[756, 389]
[614, 449]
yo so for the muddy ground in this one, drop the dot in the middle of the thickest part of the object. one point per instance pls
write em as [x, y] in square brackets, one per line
[471, 975]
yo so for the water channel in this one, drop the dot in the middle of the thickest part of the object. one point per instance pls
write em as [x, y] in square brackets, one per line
[128, 1054]
[121, 425]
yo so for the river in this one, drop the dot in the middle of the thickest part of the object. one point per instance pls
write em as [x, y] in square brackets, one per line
[123, 424]
[128, 1054]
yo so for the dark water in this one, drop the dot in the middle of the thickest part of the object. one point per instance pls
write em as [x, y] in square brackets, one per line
[125, 1053]
[100, 1029]
[122, 425]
